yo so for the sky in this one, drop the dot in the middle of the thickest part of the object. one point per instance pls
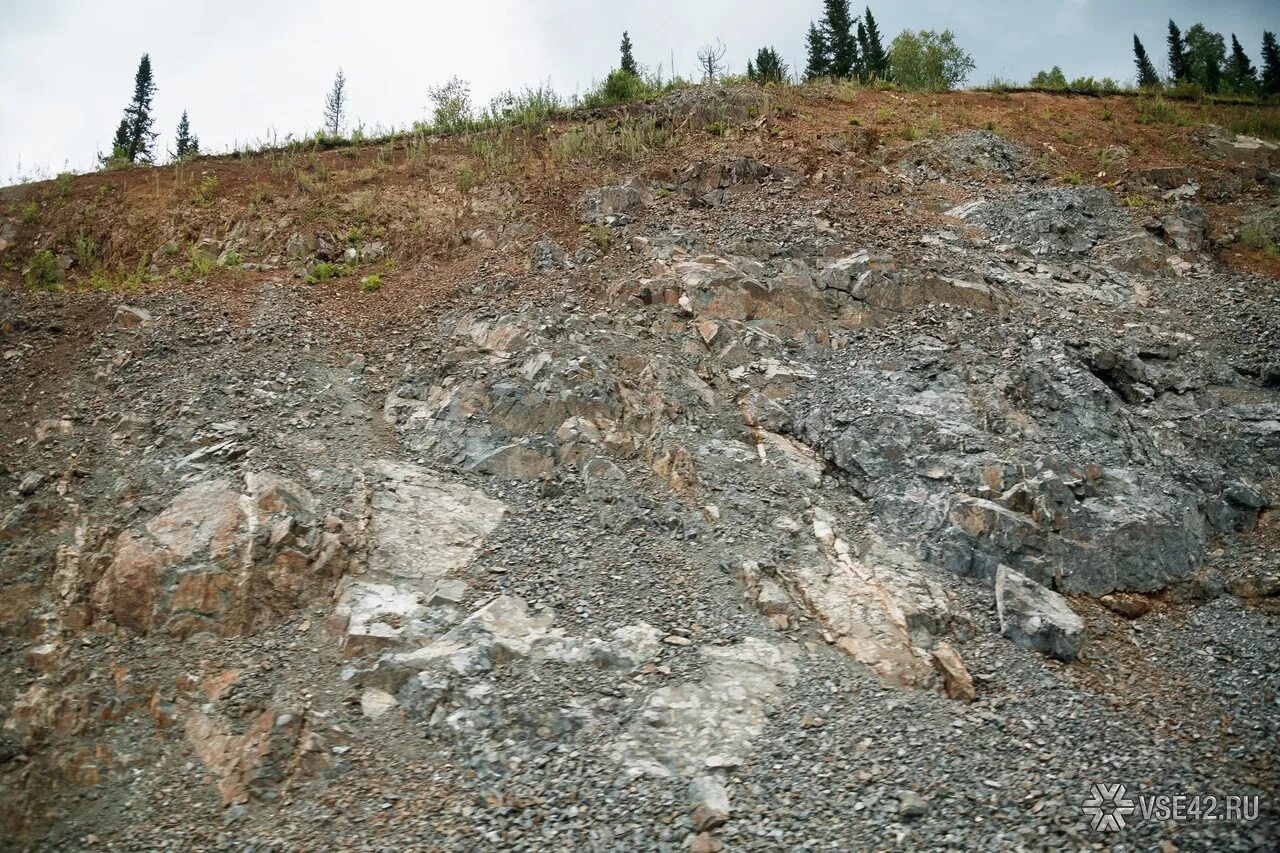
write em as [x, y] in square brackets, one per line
[251, 71]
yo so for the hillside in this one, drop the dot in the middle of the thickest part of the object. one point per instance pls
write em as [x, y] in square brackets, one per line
[746, 469]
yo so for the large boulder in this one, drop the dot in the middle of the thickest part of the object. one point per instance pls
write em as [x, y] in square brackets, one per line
[1036, 617]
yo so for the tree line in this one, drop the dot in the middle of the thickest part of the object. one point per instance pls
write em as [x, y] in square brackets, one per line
[839, 46]
[1198, 57]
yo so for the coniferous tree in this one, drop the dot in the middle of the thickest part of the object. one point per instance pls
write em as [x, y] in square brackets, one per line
[335, 105]
[874, 56]
[818, 63]
[768, 67]
[1244, 77]
[135, 140]
[838, 32]
[119, 145]
[1177, 54]
[628, 63]
[185, 142]
[1270, 64]
[861, 71]
[1147, 76]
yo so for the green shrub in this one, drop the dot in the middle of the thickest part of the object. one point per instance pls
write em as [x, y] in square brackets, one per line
[233, 260]
[715, 129]
[206, 191]
[42, 273]
[599, 234]
[324, 271]
[86, 250]
[452, 111]
[30, 212]
[1256, 237]
[201, 263]
[63, 183]
[620, 87]
[371, 283]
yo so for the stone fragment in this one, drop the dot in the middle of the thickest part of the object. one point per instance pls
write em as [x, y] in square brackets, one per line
[956, 679]
[710, 802]
[374, 702]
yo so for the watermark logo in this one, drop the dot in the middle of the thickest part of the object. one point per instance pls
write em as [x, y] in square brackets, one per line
[1107, 807]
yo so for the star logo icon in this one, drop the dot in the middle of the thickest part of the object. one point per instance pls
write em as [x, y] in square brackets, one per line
[1106, 807]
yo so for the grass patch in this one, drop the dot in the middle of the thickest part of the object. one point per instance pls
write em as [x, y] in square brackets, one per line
[1157, 110]
[371, 283]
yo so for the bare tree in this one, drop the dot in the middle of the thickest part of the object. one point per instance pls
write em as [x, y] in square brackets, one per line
[711, 60]
[335, 105]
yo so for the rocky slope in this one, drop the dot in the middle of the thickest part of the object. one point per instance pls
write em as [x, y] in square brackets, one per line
[827, 489]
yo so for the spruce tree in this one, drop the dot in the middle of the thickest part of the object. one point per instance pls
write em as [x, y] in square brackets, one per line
[1147, 76]
[1244, 77]
[861, 71]
[628, 63]
[1270, 64]
[335, 105]
[1177, 54]
[842, 45]
[135, 140]
[874, 56]
[768, 67]
[185, 142]
[818, 63]
[120, 145]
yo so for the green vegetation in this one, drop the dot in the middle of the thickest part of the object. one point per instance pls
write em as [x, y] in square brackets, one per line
[598, 234]
[371, 283]
[845, 47]
[1255, 236]
[186, 145]
[928, 61]
[1157, 110]
[205, 192]
[324, 271]
[42, 272]
[768, 67]
[135, 140]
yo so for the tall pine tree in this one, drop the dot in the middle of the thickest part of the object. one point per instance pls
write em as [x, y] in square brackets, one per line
[874, 57]
[135, 140]
[185, 142]
[628, 60]
[1270, 64]
[335, 105]
[1177, 54]
[861, 71]
[842, 44]
[818, 63]
[1244, 77]
[1147, 76]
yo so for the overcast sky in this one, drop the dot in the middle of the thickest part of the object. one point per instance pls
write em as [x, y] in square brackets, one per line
[247, 68]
